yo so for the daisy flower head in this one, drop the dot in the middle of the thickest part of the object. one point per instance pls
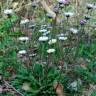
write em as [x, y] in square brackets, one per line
[52, 41]
[24, 21]
[83, 22]
[68, 14]
[89, 6]
[22, 52]
[62, 38]
[73, 30]
[51, 51]
[43, 38]
[23, 38]
[34, 4]
[42, 30]
[62, 1]
[8, 11]
[49, 15]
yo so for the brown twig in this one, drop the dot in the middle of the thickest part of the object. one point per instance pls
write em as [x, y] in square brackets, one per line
[6, 83]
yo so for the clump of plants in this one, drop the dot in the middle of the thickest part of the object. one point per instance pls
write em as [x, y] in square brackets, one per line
[48, 48]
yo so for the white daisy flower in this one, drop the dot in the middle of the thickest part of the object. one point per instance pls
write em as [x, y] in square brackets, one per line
[51, 51]
[43, 38]
[8, 11]
[23, 38]
[32, 55]
[73, 30]
[22, 52]
[52, 41]
[24, 21]
[62, 1]
[68, 14]
[74, 85]
[90, 6]
[62, 38]
[43, 30]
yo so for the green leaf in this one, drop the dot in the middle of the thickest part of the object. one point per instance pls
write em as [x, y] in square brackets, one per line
[38, 69]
